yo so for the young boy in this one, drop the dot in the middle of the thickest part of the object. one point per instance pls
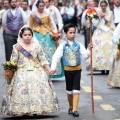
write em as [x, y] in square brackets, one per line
[71, 51]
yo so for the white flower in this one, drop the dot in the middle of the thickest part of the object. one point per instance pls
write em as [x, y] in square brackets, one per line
[91, 15]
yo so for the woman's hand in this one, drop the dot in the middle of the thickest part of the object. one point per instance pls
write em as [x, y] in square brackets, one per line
[52, 72]
[46, 66]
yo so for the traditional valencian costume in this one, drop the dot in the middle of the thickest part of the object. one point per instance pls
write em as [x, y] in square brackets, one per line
[114, 75]
[31, 91]
[12, 20]
[102, 41]
[42, 27]
[71, 52]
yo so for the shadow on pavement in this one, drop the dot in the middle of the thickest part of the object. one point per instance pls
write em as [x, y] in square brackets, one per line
[97, 74]
[114, 87]
[44, 117]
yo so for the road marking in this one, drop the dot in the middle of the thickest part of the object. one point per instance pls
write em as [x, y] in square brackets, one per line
[107, 107]
[97, 97]
[37, 119]
[81, 81]
[87, 88]
[116, 119]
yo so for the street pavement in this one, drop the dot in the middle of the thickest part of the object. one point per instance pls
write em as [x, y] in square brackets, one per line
[106, 99]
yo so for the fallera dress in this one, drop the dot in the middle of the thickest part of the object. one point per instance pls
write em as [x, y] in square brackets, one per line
[42, 33]
[114, 75]
[103, 46]
[30, 91]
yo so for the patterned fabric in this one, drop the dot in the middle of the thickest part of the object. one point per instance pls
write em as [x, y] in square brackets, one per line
[49, 47]
[71, 54]
[114, 75]
[102, 49]
[36, 18]
[16, 21]
[44, 28]
[31, 91]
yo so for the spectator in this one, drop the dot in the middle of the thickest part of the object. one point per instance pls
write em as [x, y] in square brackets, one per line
[116, 12]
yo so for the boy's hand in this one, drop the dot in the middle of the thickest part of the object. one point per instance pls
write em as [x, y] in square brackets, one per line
[90, 46]
[52, 72]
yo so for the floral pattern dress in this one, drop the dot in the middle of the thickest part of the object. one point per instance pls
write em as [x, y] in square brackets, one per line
[103, 46]
[31, 91]
[42, 33]
[114, 75]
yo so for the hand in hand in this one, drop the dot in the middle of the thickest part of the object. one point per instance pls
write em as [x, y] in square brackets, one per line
[52, 72]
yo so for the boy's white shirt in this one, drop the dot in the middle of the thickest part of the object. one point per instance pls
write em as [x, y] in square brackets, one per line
[59, 53]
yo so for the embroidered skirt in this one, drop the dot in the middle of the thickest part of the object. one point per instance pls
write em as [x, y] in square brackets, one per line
[49, 47]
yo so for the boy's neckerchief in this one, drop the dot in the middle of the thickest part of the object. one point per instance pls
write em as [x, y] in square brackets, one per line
[74, 45]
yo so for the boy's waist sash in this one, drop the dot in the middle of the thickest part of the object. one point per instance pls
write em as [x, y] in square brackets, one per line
[72, 68]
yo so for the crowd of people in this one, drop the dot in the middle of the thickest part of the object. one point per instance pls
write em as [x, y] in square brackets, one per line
[26, 28]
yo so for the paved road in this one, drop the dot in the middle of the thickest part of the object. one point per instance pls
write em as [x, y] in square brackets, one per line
[106, 99]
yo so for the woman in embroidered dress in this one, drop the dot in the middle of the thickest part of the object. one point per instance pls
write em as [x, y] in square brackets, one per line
[102, 38]
[114, 75]
[42, 24]
[30, 91]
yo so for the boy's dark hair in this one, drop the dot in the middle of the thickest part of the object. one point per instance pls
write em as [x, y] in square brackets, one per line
[68, 26]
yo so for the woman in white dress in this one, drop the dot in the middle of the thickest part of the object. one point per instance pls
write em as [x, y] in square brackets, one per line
[30, 91]
[102, 38]
[114, 75]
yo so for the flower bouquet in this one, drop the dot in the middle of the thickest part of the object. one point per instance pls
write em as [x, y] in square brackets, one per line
[118, 51]
[10, 67]
[56, 36]
[92, 13]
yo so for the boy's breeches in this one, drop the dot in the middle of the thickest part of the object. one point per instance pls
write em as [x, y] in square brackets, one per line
[73, 81]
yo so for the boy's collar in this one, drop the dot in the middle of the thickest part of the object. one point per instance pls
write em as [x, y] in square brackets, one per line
[70, 40]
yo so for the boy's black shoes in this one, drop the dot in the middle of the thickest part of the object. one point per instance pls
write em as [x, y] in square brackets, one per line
[70, 111]
[34, 114]
[75, 114]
